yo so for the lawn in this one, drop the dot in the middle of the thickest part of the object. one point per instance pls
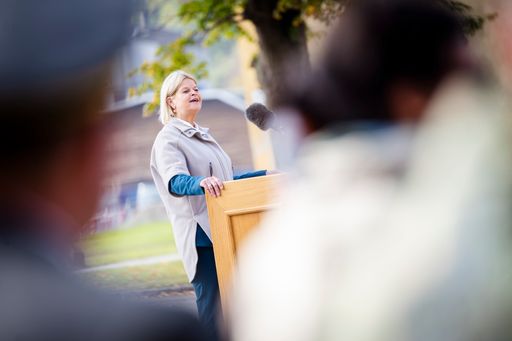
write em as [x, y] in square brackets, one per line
[143, 241]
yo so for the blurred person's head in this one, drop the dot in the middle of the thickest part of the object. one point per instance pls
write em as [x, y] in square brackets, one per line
[54, 70]
[383, 62]
[175, 96]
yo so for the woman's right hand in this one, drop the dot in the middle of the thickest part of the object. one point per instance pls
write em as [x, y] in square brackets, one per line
[213, 185]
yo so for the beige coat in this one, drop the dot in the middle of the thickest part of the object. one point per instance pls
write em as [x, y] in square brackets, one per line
[359, 251]
[180, 148]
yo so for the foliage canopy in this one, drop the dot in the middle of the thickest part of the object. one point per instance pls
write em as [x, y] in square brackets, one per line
[279, 24]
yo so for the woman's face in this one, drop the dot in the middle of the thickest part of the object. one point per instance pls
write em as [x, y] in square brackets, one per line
[187, 101]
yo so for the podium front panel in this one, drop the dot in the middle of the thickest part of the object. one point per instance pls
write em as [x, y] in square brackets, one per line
[234, 215]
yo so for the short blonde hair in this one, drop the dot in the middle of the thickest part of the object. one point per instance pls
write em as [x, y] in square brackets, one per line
[169, 88]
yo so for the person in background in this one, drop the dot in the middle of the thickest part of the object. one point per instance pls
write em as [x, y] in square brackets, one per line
[55, 64]
[186, 162]
[395, 226]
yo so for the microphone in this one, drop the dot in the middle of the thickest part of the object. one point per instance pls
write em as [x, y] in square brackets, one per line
[262, 117]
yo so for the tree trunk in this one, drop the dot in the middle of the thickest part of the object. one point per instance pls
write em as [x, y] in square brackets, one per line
[284, 55]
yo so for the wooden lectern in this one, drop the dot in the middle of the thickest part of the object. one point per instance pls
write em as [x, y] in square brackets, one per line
[234, 215]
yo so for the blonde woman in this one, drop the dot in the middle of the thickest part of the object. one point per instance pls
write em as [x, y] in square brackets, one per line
[186, 161]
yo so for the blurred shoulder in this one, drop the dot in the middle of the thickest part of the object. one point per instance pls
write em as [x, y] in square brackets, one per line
[40, 302]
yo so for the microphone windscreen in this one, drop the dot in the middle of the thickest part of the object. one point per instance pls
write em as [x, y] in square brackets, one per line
[259, 114]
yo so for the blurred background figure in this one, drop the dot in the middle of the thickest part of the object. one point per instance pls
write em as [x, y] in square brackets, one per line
[397, 225]
[54, 69]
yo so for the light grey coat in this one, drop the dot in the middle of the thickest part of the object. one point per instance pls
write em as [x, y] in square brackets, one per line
[181, 148]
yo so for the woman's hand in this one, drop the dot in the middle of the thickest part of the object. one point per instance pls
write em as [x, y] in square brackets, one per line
[212, 185]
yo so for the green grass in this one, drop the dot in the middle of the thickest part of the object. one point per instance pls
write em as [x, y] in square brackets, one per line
[143, 241]
[148, 240]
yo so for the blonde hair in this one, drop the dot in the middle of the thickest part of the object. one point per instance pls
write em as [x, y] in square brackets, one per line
[169, 88]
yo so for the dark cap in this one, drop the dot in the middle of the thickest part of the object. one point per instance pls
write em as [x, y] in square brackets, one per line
[43, 41]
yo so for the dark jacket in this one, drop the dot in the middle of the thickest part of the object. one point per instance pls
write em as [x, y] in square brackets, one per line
[41, 299]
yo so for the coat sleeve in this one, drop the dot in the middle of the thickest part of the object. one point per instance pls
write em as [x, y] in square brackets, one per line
[250, 175]
[182, 184]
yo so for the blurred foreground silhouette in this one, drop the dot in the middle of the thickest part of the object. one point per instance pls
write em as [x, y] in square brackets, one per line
[54, 67]
[396, 225]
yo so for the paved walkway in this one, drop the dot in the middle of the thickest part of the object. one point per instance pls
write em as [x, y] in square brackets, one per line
[135, 262]
[183, 298]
